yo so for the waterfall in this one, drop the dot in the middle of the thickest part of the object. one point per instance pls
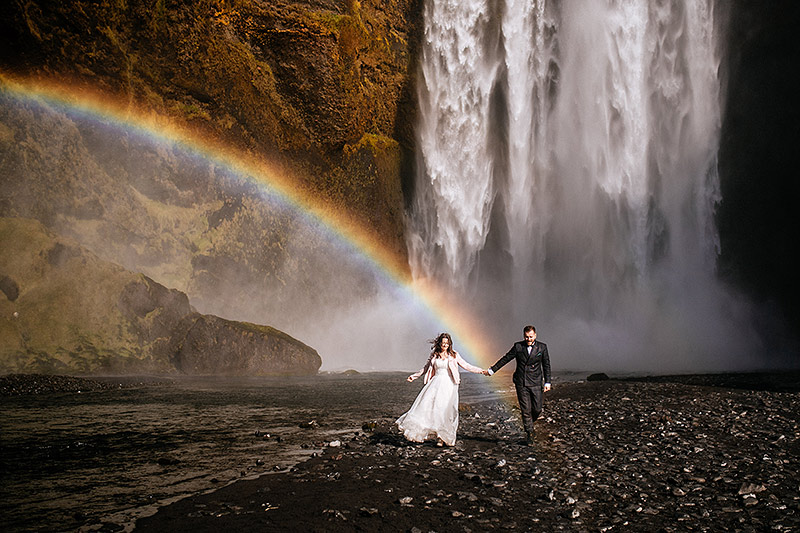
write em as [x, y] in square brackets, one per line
[567, 176]
[456, 190]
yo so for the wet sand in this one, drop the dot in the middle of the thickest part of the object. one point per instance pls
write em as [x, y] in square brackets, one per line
[675, 453]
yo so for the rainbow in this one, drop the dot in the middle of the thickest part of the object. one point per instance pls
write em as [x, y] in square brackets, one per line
[127, 114]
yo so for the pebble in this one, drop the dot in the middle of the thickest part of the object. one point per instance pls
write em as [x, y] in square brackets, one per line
[23, 384]
[610, 454]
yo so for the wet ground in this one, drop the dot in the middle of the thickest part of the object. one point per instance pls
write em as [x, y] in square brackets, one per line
[669, 454]
[672, 453]
[78, 452]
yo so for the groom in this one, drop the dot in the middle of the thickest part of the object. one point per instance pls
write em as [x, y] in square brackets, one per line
[533, 369]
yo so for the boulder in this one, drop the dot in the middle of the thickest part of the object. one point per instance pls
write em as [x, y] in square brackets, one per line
[206, 344]
[67, 311]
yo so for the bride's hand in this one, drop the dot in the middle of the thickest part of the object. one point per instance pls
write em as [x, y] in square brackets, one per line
[410, 379]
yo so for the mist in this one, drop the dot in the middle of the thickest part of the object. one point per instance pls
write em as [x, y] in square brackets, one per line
[586, 205]
[237, 247]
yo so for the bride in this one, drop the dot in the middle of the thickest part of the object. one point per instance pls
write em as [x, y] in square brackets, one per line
[434, 413]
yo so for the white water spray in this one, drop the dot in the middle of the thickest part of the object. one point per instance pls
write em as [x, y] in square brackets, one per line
[568, 178]
[453, 202]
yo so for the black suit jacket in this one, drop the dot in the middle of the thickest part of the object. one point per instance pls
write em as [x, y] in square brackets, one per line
[533, 369]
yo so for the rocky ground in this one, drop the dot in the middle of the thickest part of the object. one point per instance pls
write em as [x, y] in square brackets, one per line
[16, 384]
[673, 454]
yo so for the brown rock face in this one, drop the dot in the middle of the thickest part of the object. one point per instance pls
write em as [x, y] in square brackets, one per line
[144, 297]
[298, 80]
[205, 344]
[321, 89]
[64, 310]
[9, 287]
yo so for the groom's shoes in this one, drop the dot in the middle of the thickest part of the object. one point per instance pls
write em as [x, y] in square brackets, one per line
[529, 438]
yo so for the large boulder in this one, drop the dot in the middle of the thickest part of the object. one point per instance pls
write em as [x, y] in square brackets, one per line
[64, 310]
[206, 344]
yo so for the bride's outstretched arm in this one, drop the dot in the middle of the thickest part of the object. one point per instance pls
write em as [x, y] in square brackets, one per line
[421, 371]
[466, 366]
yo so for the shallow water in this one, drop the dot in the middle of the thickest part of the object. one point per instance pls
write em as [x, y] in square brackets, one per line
[70, 461]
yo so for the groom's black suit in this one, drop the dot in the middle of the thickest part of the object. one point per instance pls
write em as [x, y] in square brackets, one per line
[532, 372]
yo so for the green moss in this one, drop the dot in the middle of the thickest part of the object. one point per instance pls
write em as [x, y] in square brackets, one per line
[270, 331]
[377, 144]
[212, 63]
[352, 35]
[325, 19]
[192, 111]
[68, 314]
[159, 16]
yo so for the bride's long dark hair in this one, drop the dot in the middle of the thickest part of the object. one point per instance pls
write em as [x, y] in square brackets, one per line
[437, 344]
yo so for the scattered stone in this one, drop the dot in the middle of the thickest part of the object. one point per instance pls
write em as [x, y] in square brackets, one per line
[19, 384]
[749, 500]
[748, 488]
[620, 453]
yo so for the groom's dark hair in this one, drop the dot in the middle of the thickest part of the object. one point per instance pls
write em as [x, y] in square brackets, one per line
[528, 328]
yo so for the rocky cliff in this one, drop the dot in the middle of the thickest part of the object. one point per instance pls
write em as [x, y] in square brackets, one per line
[320, 89]
[64, 310]
[323, 87]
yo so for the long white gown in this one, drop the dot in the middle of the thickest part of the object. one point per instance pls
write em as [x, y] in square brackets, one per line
[434, 414]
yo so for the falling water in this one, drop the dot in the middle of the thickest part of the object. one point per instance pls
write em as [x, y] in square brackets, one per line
[453, 201]
[567, 177]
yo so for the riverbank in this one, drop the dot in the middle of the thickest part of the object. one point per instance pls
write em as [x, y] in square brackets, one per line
[23, 384]
[668, 454]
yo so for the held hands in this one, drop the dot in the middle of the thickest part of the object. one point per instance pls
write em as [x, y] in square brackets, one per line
[410, 378]
[485, 372]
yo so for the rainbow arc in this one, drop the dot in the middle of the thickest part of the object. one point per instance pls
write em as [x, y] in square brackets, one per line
[127, 115]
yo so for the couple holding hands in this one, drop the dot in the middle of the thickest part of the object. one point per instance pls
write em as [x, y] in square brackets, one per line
[434, 413]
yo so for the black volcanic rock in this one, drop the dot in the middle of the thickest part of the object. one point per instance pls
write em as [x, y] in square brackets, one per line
[22, 384]
[758, 156]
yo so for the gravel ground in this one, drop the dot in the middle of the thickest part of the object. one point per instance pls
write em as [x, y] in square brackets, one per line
[19, 384]
[687, 453]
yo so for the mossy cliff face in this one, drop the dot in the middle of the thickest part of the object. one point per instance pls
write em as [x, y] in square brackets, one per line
[182, 220]
[309, 83]
[321, 89]
[64, 310]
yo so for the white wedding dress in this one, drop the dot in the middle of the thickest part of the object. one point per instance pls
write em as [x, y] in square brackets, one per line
[434, 413]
